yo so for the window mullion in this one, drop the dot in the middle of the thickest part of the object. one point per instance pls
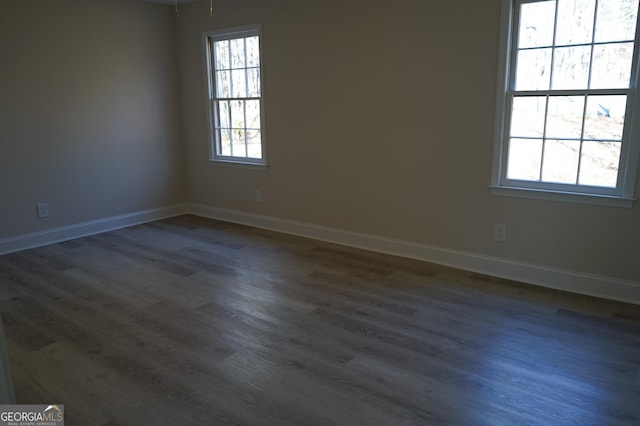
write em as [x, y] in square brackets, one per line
[231, 94]
[544, 136]
[551, 77]
[553, 46]
[215, 107]
[593, 39]
[571, 92]
[246, 88]
[506, 137]
[513, 54]
[213, 84]
[244, 129]
[584, 119]
[230, 129]
[586, 96]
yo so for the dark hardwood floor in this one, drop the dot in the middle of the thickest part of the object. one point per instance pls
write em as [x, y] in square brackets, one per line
[193, 321]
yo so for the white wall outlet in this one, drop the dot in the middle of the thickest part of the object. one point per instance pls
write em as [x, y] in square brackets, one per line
[258, 195]
[500, 232]
[43, 210]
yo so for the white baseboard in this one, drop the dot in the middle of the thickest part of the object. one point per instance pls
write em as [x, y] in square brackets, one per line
[561, 279]
[65, 233]
[572, 281]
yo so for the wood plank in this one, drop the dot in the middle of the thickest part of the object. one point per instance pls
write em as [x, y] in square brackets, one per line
[190, 320]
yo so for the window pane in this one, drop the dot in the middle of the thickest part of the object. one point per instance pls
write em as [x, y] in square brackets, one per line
[605, 117]
[237, 114]
[528, 115]
[221, 49]
[253, 114]
[533, 69]
[223, 84]
[254, 144]
[575, 21]
[564, 116]
[239, 148]
[571, 67]
[237, 53]
[524, 159]
[253, 81]
[616, 20]
[239, 80]
[560, 161]
[223, 114]
[536, 24]
[253, 52]
[612, 66]
[599, 164]
[225, 142]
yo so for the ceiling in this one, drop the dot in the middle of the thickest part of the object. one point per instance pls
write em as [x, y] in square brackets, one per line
[170, 2]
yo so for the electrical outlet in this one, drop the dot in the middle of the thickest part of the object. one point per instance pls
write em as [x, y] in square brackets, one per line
[500, 232]
[258, 196]
[43, 210]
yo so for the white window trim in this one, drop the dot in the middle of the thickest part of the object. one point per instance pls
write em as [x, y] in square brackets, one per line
[623, 196]
[224, 34]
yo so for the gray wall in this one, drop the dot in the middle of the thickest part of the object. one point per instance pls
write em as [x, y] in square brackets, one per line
[89, 116]
[380, 120]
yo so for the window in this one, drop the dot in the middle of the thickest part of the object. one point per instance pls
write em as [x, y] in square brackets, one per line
[567, 91]
[235, 95]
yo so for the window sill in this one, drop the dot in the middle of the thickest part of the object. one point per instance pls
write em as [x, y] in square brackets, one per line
[570, 197]
[238, 165]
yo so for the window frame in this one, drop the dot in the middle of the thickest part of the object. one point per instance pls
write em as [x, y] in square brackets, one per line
[208, 39]
[622, 195]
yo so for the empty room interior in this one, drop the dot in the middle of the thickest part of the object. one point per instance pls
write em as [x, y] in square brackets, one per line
[321, 212]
